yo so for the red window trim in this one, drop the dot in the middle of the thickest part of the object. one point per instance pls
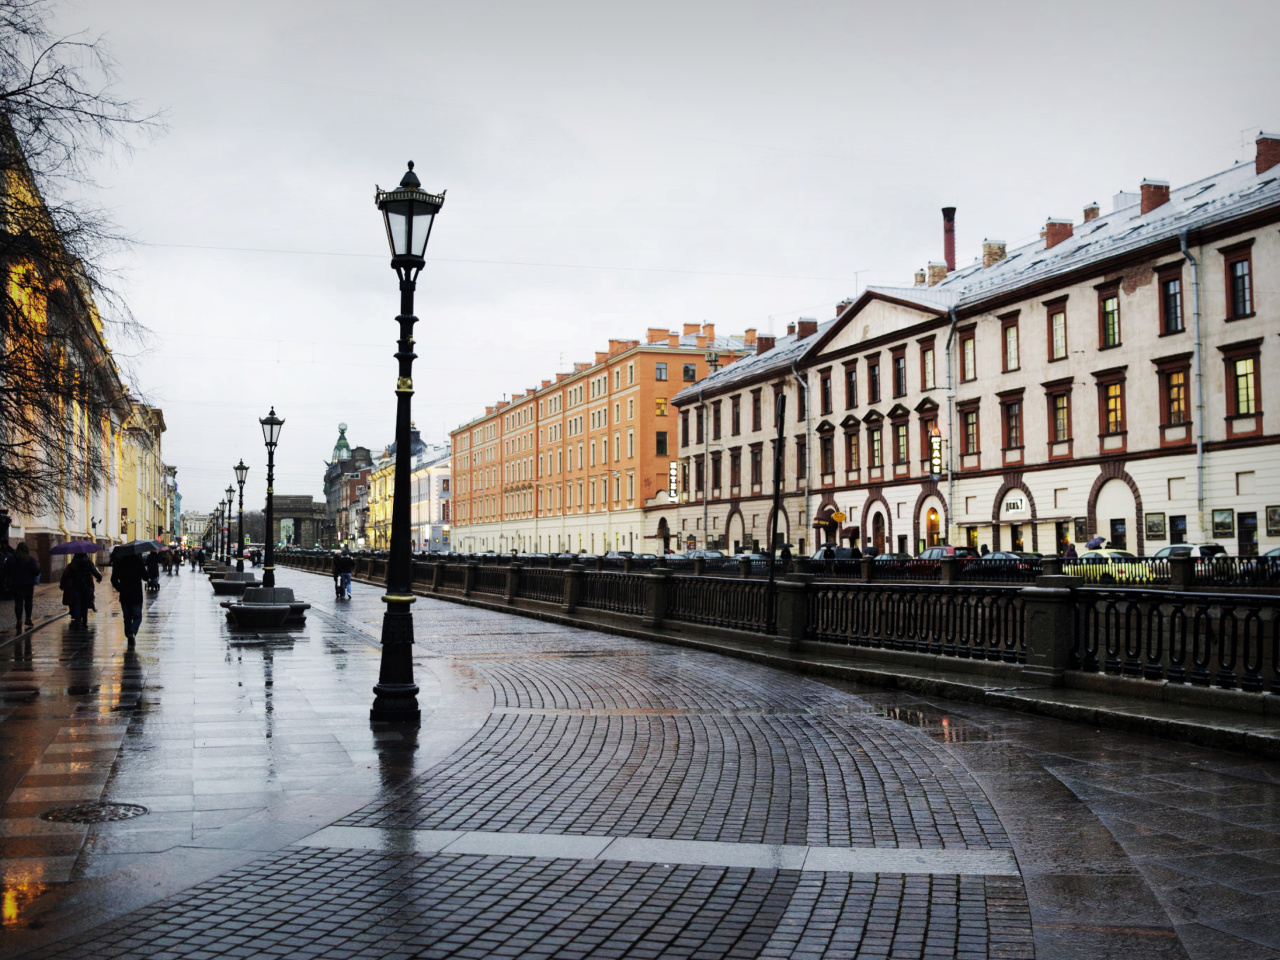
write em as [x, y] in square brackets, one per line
[1056, 305]
[1231, 254]
[1164, 273]
[1105, 292]
[1238, 424]
[1104, 379]
[1165, 366]
[1008, 320]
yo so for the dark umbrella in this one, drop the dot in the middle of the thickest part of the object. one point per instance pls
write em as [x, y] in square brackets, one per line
[75, 546]
[1094, 543]
[135, 548]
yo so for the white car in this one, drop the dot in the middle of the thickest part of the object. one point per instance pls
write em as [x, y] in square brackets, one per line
[1191, 550]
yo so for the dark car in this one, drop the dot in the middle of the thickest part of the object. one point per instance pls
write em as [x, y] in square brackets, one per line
[837, 552]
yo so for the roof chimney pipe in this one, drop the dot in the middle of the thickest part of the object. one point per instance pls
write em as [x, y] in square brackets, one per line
[949, 237]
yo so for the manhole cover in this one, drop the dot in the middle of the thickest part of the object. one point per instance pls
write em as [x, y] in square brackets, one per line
[94, 813]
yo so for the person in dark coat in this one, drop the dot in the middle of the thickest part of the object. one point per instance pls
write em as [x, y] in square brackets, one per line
[77, 588]
[153, 570]
[127, 575]
[1070, 552]
[21, 573]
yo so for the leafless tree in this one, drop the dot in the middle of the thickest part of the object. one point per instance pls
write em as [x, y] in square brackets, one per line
[61, 390]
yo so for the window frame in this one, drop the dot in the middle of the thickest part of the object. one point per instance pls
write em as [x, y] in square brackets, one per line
[689, 372]
[1105, 381]
[1054, 308]
[1238, 253]
[1009, 333]
[898, 368]
[1242, 424]
[825, 397]
[873, 378]
[1106, 292]
[850, 384]
[1166, 369]
[968, 354]
[928, 364]
[1166, 274]
[660, 370]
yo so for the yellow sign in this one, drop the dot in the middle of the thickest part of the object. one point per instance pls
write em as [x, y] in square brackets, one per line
[838, 517]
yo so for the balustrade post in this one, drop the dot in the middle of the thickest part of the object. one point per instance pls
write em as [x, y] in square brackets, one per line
[626, 564]
[1182, 571]
[793, 608]
[950, 571]
[572, 586]
[1050, 629]
[469, 578]
[868, 569]
[1050, 566]
[744, 568]
[513, 580]
[437, 576]
[699, 566]
[657, 588]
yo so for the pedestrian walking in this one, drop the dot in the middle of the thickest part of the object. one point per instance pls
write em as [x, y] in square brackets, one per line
[77, 588]
[153, 572]
[1070, 552]
[127, 573]
[343, 566]
[21, 573]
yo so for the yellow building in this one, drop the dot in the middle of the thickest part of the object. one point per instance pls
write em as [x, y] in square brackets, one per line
[382, 483]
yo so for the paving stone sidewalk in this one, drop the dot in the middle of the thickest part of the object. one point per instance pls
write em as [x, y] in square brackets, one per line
[577, 794]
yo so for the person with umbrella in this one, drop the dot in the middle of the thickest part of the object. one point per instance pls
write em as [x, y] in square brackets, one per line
[127, 575]
[1095, 542]
[22, 573]
[77, 588]
[153, 572]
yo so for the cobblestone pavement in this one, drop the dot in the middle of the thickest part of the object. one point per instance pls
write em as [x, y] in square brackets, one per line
[576, 794]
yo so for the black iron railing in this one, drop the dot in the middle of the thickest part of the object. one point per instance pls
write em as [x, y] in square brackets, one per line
[619, 592]
[981, 623]
[490, 579]
[737, 605]
[455, 575]
[542, 584]
[1204, 639]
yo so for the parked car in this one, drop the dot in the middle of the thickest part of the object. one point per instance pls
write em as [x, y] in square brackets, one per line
[703, 554]
[618, 554]
[939, 552]
[837, 552]
[1108, 566]
[1191, 550]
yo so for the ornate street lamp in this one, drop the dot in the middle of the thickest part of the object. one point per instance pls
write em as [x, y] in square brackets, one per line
[271, 425]
[408, 213]
[242, 471]
[231, 502]
[217, 530]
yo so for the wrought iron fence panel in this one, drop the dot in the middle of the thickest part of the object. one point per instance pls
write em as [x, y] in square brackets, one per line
[541, 584]
[455, 575]
[1000, 571]
[719, 602]
[1224, 571]
[490, 579]
[618, 592]
[951, 621]
[1223, 640]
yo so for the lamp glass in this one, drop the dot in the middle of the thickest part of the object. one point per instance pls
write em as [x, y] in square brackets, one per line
[271, 425]
[242, 471]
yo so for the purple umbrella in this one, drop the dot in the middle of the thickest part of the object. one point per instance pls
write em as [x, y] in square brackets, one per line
[1095, 543]
[75, 546]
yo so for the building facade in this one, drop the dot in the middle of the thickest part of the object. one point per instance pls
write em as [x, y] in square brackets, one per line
[432, 500]
[569, 465]
[1104, 380]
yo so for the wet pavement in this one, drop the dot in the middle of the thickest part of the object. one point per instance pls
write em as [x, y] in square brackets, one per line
[576, 794]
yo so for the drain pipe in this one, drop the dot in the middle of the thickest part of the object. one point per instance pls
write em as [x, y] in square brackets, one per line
[706, 468]
[951, 433]
[1197, 362]
[803, 384]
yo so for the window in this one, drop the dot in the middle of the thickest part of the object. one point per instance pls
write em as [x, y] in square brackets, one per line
[1011, 414]
[660, 439]
[1009, 336]
[715, 420]
[824, 391]
[851, 385]
[757, 464]
[851, 450]
[901, 448]
[802, 400]
[735, 416]
[1174, 374]
[684, 428]
[873, 380]
[659, 371]
[873, 446]
[715, 471]
[1243, 394]
[699, 475]
[1170, 279]
[900, 372]
[1244, 385]
[802, 457]
[755, 409]
[1175, 397]
[1114, 408]
[1060, 416]
[1111, 406]
[1058, 332]
[631, 373]
[970, 434]
[1238, 260]
[698, 426]
[1109, 316]
[827, 453]
[735, 468]
[660, 406]
[690, 372]
[968, 357]
[927, 374]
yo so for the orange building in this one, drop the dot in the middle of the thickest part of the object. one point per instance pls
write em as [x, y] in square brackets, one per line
[571, 464]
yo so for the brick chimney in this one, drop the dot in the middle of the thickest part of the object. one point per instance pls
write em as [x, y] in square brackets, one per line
[701, 342]
[920, 278]
[1268, 151]
[545, 384]
[764, 343]
[791, 329]
[842, 306]
[579, 367]
[749, 336]
[1055, 231]
[949, 237]
[709, 331]
[1092, 212]
[562, 376]
[993, 251]
[691, 328]
[937, 272]
[657, 334]
[673, 340]
[807, 328]
[1155, 193]
[602, 356]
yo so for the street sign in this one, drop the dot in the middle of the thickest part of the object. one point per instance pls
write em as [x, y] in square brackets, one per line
[838, 516]
[673, 480]
[935, 454]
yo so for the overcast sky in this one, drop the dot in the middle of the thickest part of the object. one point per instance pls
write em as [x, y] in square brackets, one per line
[609, 167]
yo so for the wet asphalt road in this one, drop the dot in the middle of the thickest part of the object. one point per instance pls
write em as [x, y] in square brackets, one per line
[575, 794]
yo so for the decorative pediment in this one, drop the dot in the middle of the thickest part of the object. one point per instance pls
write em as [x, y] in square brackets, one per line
[927, 405]
[826, 426]
[873, 417]
[899, 412]
[849, 423]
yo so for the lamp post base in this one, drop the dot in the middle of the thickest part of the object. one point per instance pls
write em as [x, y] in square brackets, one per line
[395, 697]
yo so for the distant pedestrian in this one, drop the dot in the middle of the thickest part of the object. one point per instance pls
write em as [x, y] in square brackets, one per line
[21, 573]
[1070, 552]
[855, 553]
[77, 588]
[343, 566]
[153, 572]
[127, 574]
[985, 550]
[785, 555]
